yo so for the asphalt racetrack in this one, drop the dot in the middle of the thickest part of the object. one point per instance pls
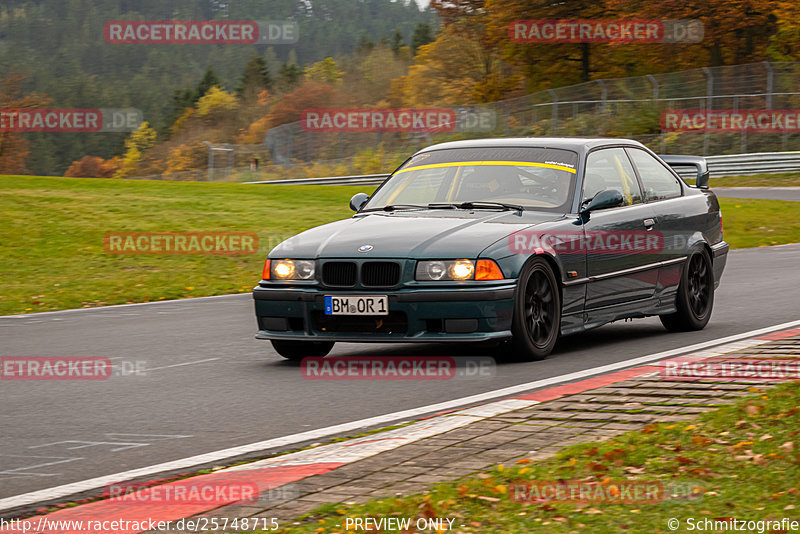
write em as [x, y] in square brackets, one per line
[206, 384]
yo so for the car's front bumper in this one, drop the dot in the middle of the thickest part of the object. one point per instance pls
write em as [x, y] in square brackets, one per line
[416, 315]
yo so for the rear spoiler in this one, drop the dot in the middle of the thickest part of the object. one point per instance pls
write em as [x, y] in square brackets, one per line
[697, 162]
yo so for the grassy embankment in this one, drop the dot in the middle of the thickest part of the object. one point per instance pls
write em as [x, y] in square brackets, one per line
[52, 230]
[740, 462]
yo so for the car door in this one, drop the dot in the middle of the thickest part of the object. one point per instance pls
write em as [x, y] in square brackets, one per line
[663, 192]
[620, 267]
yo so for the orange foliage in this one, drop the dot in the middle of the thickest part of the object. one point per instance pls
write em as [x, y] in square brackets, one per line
[93, 167]
[311, 94]
[13, 148]
[255, 132]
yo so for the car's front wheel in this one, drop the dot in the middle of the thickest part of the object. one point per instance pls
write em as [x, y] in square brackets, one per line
[695, 298]
[297, 350]
[537, 312]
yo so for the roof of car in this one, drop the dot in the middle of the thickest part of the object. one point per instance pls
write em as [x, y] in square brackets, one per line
[578, 144]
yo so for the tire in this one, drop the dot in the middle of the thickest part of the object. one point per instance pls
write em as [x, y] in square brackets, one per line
[536, 324]
[297, 350]
[695, 298]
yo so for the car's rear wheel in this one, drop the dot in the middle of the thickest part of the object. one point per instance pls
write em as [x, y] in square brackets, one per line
[537, 312]
[297, 350]
[695, 298]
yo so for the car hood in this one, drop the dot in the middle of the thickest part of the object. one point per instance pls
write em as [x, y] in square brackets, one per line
[407, 234]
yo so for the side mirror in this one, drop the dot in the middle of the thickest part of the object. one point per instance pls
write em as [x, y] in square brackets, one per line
[609, 198]
[699, 163]
[358, 200]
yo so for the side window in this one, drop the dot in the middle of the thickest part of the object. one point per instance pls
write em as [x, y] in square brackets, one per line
[610, 168]
[658, 182]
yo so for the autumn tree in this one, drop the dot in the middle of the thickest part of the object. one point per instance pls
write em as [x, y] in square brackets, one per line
[785, 42]
[93, 167]
[547, 64]
[735, 31]
[457, 68]
[185, 99]
[310, 94]
[140, 140]
[14, 148]
[216, 103]
[325, 71]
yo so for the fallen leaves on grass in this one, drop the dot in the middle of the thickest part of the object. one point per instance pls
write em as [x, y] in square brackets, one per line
[634, 470]
[753, 410]
[614, 454]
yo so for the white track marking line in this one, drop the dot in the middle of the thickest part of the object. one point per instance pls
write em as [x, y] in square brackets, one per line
[293, 439]
[180, 364]
[116, 306]
[359, 448]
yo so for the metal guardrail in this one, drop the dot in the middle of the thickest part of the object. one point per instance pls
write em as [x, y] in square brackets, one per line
[758, 163]
[730, 165]
[361, 179]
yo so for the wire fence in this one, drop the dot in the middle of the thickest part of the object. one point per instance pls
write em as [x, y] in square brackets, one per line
[622, 107]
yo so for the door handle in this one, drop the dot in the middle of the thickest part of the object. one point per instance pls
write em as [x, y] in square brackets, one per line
[649, 224]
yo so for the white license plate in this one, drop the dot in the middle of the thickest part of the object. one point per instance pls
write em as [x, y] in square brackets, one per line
[356, 305]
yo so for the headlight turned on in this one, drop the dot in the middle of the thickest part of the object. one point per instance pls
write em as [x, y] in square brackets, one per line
[288, 270]
[457, 270]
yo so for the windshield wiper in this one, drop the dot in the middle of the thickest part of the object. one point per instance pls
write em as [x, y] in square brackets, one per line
[395, 207]
[478, 204]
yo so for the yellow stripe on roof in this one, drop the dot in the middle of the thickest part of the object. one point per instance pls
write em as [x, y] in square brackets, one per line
[473, 163]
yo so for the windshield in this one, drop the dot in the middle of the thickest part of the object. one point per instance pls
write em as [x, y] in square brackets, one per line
[534, 178]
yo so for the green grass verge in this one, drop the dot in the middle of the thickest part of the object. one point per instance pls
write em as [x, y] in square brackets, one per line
[760, 223]
[52, 233]
[758, 180]
[740, 461]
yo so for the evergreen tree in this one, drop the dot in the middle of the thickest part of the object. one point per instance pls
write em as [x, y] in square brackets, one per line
[397, 41]
[365, 44]
[290, 74]
[208, 81]
[423, 34]
[255, 78]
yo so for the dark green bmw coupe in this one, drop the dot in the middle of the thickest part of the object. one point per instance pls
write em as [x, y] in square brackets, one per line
[516, 241]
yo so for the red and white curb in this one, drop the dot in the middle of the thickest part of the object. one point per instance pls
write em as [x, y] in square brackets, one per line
[272, 473]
